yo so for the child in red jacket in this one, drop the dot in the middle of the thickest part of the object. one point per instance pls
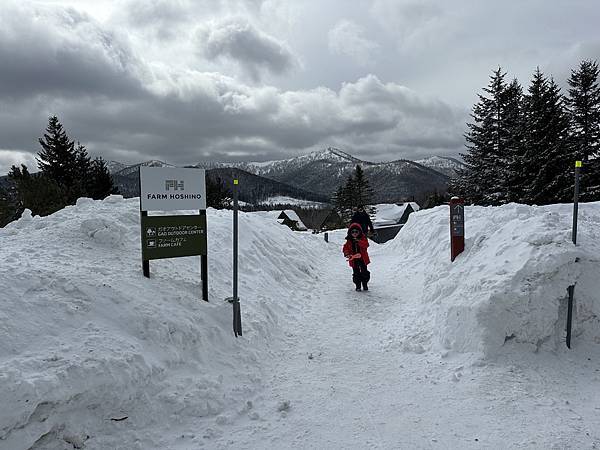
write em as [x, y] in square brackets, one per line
[355, 249]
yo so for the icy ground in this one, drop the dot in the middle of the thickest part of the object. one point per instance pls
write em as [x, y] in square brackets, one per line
[435, 355]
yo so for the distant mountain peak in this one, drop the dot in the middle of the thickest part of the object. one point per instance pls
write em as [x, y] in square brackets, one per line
[335, 154]
[135, 167]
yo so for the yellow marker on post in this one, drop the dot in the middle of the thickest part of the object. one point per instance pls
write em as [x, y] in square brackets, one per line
[237, 181]
[577, 163]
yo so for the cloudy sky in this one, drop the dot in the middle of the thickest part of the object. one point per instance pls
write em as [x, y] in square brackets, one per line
[194, 80]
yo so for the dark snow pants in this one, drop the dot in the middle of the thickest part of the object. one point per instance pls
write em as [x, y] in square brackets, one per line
[360, 274]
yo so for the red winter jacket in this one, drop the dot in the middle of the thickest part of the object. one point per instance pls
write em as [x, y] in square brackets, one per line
[361, 245]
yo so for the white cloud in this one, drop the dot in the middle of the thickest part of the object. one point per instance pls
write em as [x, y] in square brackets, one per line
[239, 40]
[347, 38]
[10, 158]
[412, 23]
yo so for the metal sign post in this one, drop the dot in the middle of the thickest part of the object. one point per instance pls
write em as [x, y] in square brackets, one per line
[571, 289]
[576, 201]
[237, 315]
[457, 227]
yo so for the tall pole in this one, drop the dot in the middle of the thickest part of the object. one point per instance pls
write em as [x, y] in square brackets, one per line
[237, 316]
[571, 289]
[576, 201]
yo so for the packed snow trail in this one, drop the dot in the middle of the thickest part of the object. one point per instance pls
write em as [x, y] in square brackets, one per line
[352, 373]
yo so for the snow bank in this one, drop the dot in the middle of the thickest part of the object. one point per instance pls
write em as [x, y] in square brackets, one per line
[510, 284]
[283, 200]
[93, 353]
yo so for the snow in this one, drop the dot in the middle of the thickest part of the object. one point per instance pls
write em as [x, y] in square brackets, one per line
[85, 339]
[282, 200]
[438, 354]
[511, 281]
[440, 162]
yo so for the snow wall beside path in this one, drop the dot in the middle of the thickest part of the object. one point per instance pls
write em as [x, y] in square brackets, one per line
[85, 339]
[510, 283]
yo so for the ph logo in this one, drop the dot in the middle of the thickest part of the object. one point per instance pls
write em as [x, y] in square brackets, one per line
[175, 184]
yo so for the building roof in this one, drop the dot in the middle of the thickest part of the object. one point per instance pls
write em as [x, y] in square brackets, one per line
[392, 213]
[291, 214]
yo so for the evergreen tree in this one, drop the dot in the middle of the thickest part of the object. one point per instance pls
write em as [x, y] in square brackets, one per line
[8, 206]
[435, 199]
[583, 105]
[82, 175]
[70, 167]
[355, 192]
[363, 193]
[37, 192]
[547, 157]
[336, 198]
[58, 158]
[513, 130]
[217, 195]
[484, 178]
[344, 200]
[100, 184]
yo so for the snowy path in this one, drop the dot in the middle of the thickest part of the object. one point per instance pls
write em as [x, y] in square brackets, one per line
[350, 384]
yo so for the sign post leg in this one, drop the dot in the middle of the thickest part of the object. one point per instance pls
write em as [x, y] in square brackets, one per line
[204, 267]
[571, 290]
[145, 262]
[204, 276]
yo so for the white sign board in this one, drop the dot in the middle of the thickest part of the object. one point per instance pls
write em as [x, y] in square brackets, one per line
[169, 189]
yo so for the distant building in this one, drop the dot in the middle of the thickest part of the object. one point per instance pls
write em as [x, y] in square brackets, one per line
[320, 219]
[390, 218]
[290, 219]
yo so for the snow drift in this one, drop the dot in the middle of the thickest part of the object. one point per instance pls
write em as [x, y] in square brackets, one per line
[510, 283]
[92, 352]
[94, 355]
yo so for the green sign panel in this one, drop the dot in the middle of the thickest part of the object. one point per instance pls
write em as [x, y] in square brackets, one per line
[173, 236]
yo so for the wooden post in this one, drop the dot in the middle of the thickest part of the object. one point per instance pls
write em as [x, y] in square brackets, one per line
[457, 227]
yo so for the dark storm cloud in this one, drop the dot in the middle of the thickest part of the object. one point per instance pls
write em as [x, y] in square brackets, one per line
[239, 40]
[62, 52]
[124, 108]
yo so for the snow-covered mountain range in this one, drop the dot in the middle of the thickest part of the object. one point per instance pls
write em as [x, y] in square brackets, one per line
[323, 171]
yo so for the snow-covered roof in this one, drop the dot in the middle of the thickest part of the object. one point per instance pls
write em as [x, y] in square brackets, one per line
[391, 213]
[293, 216]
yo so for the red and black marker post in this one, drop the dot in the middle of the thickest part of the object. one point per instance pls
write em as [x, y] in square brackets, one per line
[457, 227]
